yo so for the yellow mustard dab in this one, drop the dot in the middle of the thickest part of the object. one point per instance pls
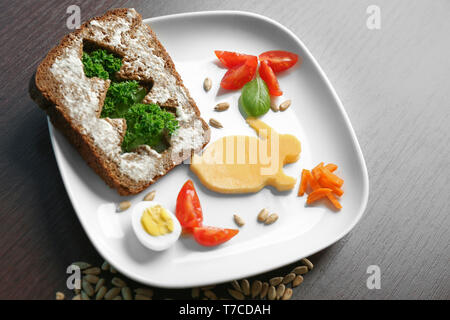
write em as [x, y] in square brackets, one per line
[156, 221]
[243, 164]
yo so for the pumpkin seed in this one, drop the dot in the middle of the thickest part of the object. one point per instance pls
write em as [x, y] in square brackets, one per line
[59, 296]
[245, 285]
[274, 107]
[94, 271]
[287, 294]
[307, 263]
[236, 294]
[236, 285]
[118, 282]
[150, 196]
[105, 266]
[112, 293]
[275, 281]
[264, 290]
[215, 123]
[271, 219]
[289, 278]
[207, 84]
[272, 293]
[91, 278]
[77, 297]
[84, 296]
[300, 270]
[209, 294]
[126, 293]
[82, 265]
[297, 281]
[124, 205]
[239, 221]
[256, 288]
[100, 284]
[117, 298]
[87, 288]
[263, 214]
[280, 291]
[141, 297]
[144, 291]
[285, 105]
[222, 106]
[101, 293]
[195, 293]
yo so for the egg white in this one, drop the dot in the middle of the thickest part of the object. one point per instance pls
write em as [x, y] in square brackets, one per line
[157, 243]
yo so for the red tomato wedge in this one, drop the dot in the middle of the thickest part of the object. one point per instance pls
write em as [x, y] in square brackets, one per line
[236, 77]
[212, 236]
[279, 60]
[188, 209]
[231, 59]
[270, 79]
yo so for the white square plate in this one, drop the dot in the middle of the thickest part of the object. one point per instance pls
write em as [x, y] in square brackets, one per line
[316, 117]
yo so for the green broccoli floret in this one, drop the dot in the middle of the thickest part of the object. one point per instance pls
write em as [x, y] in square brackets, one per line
[120, 97]
[100, 63]
[147, 124]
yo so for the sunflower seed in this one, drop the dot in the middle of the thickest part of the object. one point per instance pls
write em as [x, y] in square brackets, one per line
[124, 205]
[59, 296]
[271, 219]
[144, 292]
[105, 265]
[223, 106]
[307, 263]
[195, 293]
[236, 285]
[272, 293]
[297, 281]
[117, 298]
[236, 294]
[287, 294]
[214, 123]
[285, 105]
[87, 287]
[275, 281]
[209, 294]
[91, 278]
[239, 221]
[204, 288]
[300, 270]
[256, 288]
[150, 196]
[112, 293]
[263, 214]
[280, 291]
[118, 282]
[112, 269]
[289, 278]
[101, 282]
[126, 293]
[245, 285]
[101, 293]
[84, 296]
[274, 107]
[82, 265]
[264, 290]
[77, 297]
[207, 84]
[141, 297]
[94, 271]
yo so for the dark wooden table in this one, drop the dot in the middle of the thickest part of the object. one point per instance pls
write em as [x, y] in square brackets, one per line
[393, 83]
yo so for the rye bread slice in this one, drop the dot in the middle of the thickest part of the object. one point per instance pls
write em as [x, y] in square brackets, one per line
[74, 102]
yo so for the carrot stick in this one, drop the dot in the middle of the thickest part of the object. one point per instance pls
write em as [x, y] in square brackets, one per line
[332, 178]
[312, 181]
[318, 194]
[316, 170]
[303, 183]
[331, 167]
[325, 184]
[334, 201]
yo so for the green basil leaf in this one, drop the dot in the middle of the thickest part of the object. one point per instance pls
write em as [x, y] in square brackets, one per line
[255, 98]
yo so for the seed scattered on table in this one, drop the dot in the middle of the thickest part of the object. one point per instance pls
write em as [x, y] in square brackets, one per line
[307, 263]
[82, 265]
[195, 293]
[236, 285]
[126, 293]
[59, 295]
[215, 123]
[264, 290]
[77, 297]
[287, 294]
[101, 293]
[272, 294]
[210, 295]
[236, 294]
[256, 288]
[274, 107]
[124, 205]
[112, 293]
[300, 270]
[87, 287]
[91, 278]
[263, 214]
[150, 196]
[297, 281]
[105, 266]
[93, 271]
[275, 281]
[118, 282]
[280, 291]
[207, 84]
[101, 282]
[239, 221]
[289, 278]
[271, 219]
[286, 104]
[141, 297]
[84, 296]
[245, 285]
[223, 106]
[145, 292]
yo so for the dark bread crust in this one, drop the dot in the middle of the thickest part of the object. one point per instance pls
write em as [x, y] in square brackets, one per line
[44, 94]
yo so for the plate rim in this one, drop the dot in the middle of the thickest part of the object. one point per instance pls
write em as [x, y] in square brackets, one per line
[365, 176]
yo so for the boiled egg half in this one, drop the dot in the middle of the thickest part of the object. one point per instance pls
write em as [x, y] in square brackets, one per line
[156, 227]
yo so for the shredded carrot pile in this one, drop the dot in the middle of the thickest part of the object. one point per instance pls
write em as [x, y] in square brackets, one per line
[323, 184]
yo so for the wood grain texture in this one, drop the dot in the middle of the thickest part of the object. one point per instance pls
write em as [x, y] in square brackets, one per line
[393, 83]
